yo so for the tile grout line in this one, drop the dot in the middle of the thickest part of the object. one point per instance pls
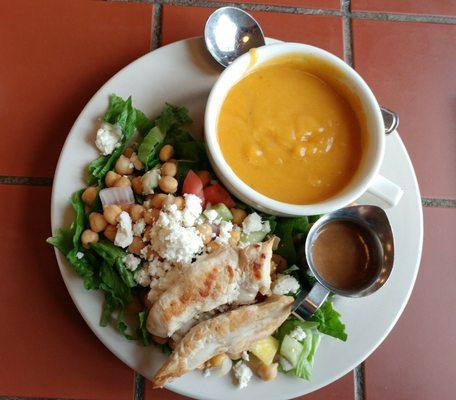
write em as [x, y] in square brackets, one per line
[360, 382]
[139, 381]
[441, 203]
[25, 180]
[347, 32]
[371, 15]
[156, 29]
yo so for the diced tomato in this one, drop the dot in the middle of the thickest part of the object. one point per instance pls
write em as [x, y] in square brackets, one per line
[193, 185]
[216, 194]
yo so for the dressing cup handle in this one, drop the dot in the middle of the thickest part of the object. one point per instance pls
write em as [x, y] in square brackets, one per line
[306, 304]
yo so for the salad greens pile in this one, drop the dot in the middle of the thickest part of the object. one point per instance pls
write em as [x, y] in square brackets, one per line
[101, 267]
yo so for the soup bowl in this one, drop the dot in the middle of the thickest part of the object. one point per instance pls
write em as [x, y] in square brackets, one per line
[367, 176]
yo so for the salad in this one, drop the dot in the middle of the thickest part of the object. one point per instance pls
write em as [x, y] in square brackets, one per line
[177, 257]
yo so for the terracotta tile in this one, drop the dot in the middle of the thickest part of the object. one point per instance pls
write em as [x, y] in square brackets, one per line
[325, 4]
[322, 31]
[416, 361]
[47, 350]
[341, 389]
[54, 58]
[410, 67]
[441, 7]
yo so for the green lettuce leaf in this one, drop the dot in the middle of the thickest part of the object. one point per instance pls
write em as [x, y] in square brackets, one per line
[63, 240]
[123, 114]
[114, 256]
[329, 321]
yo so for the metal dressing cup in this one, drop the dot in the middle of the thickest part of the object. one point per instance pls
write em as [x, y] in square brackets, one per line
[372, 220]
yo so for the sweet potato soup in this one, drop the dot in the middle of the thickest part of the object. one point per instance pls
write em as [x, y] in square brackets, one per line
[291, 132]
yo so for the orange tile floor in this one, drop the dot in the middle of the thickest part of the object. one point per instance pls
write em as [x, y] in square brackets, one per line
[56, 54]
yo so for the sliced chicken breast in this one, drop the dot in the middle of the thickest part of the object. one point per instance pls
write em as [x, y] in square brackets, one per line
[231, 332]
[226, 276]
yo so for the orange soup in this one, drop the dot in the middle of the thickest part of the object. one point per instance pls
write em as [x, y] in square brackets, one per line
[290, 134]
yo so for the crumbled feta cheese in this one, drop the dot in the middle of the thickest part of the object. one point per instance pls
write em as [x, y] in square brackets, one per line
[245, 356]
[253, 223]
[150, 181]
[124, 235]
[285, 284]
[131, 262]
[298, 333]
[242, 373]
[173, 241]
[108, 138]
[142, 276]
[192, 209]
[211, 215]
[138, 227]
[157, 268]
[224, 233]
[79, 255]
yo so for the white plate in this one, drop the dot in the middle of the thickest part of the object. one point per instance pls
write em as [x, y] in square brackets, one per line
[183, 74]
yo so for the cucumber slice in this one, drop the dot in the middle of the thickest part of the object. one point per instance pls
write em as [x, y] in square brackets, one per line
[253, 237]
[291, 350]
[223, 211]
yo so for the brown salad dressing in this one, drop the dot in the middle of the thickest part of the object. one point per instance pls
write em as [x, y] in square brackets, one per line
[342, 257]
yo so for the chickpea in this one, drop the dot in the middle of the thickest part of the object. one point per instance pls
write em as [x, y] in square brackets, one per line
[136, 212]
[172, 160]
[111, 178]
[110, 232]
[111, 213]
[169, 169]
[123, 181]
[136, 184]
[281, 263]
[169, 199]
[128, 152]
[217, 360]
[267, 372]
[159, 340]
[158, 200]
[234, 356]
[238, 215]
[166, 152]
[234, 239]
[179, 202]
[97, 222]
[136, 162]
[168, 184]
[89, 195]
[89, 236]
[150, 216]
[125, 207]
[205, 177]
[124, 166]
[136, 246]
[213, 246]
[146, 233]
[205, 230]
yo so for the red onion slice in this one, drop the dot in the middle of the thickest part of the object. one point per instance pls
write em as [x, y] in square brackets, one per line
[117, 195]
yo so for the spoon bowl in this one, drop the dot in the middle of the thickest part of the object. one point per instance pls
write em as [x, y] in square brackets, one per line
[231, 32]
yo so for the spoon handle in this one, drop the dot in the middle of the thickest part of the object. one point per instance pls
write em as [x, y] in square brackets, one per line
[306, 304]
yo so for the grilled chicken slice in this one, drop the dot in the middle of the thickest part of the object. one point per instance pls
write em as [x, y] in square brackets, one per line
[226, 276]
[230, 332]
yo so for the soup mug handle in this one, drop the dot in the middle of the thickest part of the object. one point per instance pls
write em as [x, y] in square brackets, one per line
[307, 303]
[385, 190]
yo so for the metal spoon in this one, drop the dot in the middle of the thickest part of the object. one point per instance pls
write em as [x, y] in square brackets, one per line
[375, 223]
[231, 32]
